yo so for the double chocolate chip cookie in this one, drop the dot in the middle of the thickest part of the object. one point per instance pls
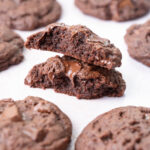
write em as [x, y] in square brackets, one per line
[28, 14]
[118, 10]
[125, 128]
[138, 41]
[33, 124]
[11, 48]
[87, 70]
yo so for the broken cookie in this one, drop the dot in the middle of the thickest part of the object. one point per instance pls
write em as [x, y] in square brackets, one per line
[73, 77]
[87, 69]
[79, 42]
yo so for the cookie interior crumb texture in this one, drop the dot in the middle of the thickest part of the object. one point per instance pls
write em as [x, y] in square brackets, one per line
[77, 41]
[34, 124]
[73, 77]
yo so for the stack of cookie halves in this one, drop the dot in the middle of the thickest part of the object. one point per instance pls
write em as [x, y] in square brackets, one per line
[87, 68]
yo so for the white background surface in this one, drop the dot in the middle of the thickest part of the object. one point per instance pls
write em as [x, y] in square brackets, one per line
[81, 112]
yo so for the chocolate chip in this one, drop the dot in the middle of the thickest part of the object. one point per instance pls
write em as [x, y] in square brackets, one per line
[11, 113]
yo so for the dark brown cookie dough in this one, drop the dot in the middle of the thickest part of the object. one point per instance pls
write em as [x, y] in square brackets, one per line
[125, 128]
[11, 47]
[78, 42]
[138, 41]
[28, 14]
[73, 77]
[33, 124]
[118, 10]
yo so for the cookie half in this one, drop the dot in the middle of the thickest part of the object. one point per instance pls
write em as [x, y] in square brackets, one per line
[73, 77]
[138, 41]
[33, 124]
[76, 41]
[125, 128]
[11, 48]
[118, 10]
[28, 14]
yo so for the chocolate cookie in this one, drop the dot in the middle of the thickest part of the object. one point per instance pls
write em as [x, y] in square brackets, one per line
[11, 47]
[78, 42]
[125, 128]
[73, 77]
[118, 10]
[28, 14]
[138, 41]
[33, 124]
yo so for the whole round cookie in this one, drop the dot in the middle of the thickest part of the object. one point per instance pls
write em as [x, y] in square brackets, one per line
[124, 128]
[11, 48]
[33, 124]
[118, 10]
[28, 14]
[138, 41]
